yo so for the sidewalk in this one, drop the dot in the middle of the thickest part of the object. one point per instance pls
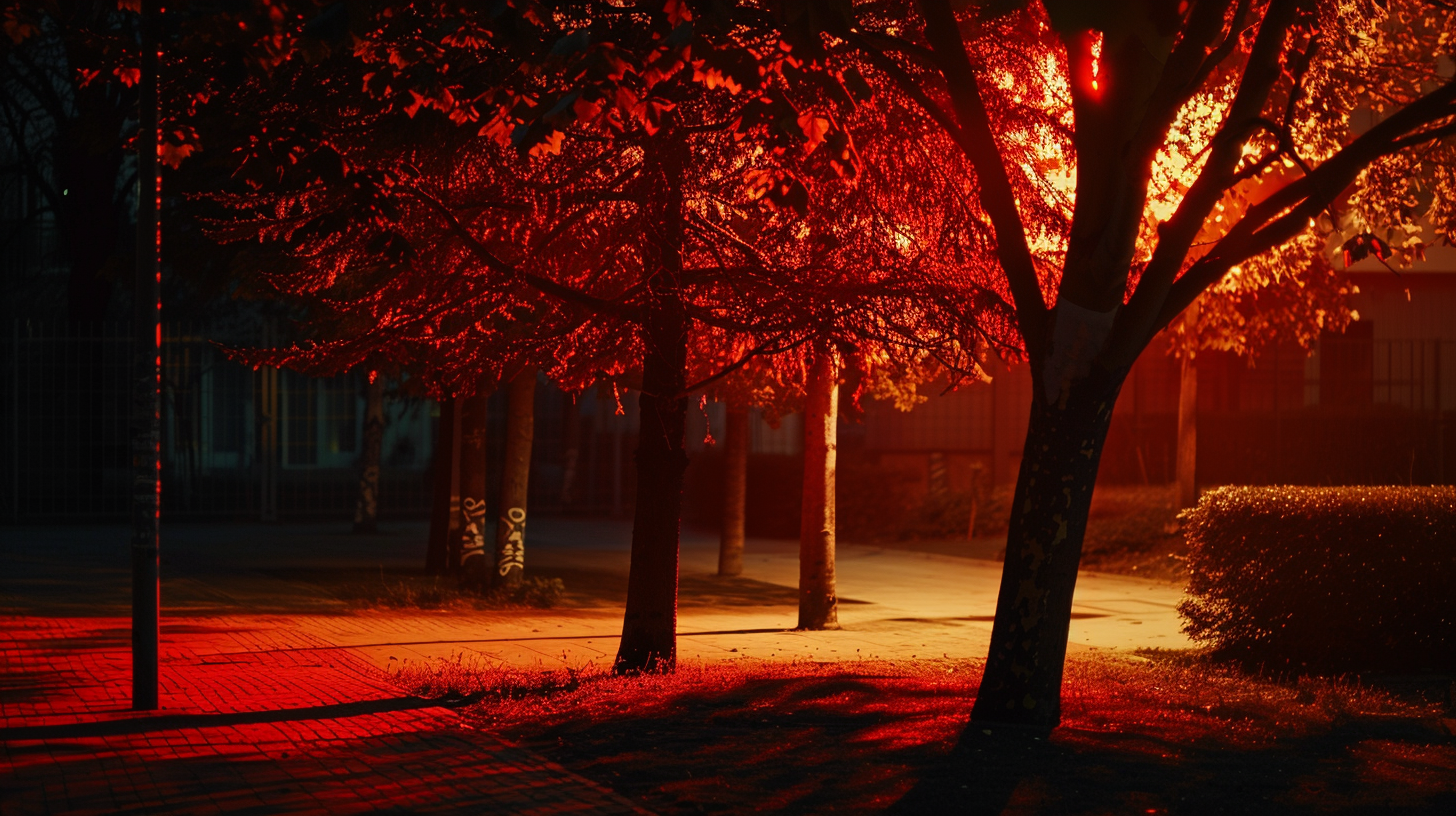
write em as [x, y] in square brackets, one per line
[256, 716]
[275, 697]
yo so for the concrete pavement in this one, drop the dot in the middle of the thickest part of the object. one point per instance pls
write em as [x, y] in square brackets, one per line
[895, 603]
[273, 695]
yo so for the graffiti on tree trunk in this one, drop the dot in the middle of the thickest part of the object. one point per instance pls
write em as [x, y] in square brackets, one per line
[513, 554]
[473, 533]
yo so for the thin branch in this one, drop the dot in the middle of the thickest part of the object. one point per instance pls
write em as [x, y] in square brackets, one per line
[757, 351]
[1132, 326]
[542, 284]
[979, 144]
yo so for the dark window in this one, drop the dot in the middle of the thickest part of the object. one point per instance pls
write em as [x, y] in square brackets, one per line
[301, 421]
[231, 391]
[341, 414]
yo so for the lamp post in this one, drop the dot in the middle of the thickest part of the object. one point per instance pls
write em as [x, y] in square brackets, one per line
[146, 429]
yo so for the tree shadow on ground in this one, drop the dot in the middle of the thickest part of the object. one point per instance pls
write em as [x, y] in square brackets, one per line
[865, 743]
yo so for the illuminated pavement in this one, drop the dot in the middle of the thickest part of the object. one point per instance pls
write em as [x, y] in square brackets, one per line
[894, 604]
[257, 717]
[273, 699]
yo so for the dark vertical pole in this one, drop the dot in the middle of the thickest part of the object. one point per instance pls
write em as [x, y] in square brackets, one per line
[1187, 443]
[735, 492]
[474, 425]
[510, 528]
[442, 498]
[1440, 419]
[366, 510]
[1278, 426]
[15, 420]
[146, 432]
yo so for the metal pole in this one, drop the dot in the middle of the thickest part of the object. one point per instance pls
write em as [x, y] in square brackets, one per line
[15, 420]
[267, 413]
[147, 385]
[1440, 417]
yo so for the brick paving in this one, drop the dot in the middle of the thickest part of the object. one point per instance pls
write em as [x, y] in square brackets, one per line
[258, 716]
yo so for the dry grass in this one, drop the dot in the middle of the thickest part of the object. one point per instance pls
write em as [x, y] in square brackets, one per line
[437, 593]
[861, 736]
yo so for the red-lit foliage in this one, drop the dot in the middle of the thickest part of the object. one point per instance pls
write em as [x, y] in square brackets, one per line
[1094, 145]
[1178, 146]
[579, 195]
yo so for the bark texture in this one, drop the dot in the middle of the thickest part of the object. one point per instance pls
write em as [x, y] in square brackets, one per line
[1023, 677]
[735, 492]
[510, 530]
[366, 510]
[474, 567]
[649, 628]
[818, 602]
[444, 501]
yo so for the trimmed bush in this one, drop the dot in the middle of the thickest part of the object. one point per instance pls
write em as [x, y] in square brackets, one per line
[1341, 578]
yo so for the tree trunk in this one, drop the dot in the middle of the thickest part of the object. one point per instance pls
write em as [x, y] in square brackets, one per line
[735, 492]
[1188, 416]
[818, 605]
[473, 563]
[366, 511]
[649, 628]
[510, 530]
[444, 501]
[1023, 676]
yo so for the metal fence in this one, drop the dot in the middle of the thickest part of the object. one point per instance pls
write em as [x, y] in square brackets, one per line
[257, 445]
[235, 442]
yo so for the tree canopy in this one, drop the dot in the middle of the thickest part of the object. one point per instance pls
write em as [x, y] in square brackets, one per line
[1053, 179]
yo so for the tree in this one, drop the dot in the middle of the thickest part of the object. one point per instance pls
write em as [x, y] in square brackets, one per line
[444, 488]
[366, 510]
[71, 80]
[818, 590]
[470, 557]
[735, 491]
[510, 536]
[1288, 296]
[1276, 80]
[573, 225]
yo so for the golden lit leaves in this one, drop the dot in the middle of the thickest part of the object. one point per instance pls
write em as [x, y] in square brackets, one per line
[549, 145]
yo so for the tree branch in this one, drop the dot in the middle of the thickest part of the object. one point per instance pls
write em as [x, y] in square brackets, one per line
[1134, 323]
[542, 284]
[978, 143]
[1282, 215]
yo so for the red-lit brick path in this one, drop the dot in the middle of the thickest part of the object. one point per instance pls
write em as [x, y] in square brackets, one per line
[256, 717]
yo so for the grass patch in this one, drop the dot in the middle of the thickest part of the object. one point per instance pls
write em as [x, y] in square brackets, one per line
[441, 593]
[1154, 733]
[1131, 529]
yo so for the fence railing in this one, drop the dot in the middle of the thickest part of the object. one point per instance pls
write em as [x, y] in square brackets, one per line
[257, 445]
[235, 442]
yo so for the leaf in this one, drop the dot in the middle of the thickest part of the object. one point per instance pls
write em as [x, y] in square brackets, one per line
[678, 12]
[814, 128]
[18, 29]
[550, 144]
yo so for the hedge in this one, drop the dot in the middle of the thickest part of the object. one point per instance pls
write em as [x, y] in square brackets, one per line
[1325, 579]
